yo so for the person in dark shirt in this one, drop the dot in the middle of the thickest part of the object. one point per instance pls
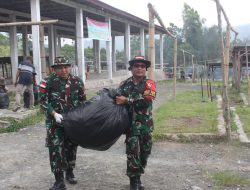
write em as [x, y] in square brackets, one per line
[24, 80]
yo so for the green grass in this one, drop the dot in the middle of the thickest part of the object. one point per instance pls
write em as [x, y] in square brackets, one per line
[15, 125]
[188, 114]
[225, 179]
[244, 113]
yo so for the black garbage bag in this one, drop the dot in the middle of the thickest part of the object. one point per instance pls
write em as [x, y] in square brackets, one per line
[98, 123]
[4, 100]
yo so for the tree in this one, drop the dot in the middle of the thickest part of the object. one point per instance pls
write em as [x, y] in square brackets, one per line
[4, 45]
[211, 49]
[192, 28]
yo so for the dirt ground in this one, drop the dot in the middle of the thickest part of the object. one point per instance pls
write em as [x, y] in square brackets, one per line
[24, 163]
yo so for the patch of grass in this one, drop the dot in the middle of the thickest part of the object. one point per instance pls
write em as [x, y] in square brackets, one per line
[244, 113]
[234, 97]
[228, 179]
[15, 125]
[187, 114]
[232, 123]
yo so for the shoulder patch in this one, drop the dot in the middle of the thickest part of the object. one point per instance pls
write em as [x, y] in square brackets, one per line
[150, 90]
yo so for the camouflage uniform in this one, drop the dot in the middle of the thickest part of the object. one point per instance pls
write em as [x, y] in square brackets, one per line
[60, 95]
[139, 135]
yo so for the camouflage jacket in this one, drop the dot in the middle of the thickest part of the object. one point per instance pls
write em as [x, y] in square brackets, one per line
[140, 107]
[60, 95]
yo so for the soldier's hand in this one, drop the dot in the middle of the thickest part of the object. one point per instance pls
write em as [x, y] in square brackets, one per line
[121, 100]
[58, 117]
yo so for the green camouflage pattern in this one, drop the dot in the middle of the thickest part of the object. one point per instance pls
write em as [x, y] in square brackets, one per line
[60, 96]
[139, 135]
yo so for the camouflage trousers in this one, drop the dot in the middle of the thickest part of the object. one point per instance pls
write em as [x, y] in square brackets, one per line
[138, 149]
[62, 151]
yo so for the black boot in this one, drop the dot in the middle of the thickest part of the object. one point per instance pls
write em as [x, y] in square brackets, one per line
[70, 176]
[134, 183]
[59, 184]
[140, 184]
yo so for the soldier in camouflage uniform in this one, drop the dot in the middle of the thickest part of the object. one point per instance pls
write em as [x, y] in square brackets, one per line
[60, 93]
[138, 92]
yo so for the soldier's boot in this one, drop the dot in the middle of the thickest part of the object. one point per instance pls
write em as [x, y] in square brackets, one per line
[59, 184]
[140, 184]
[134, 183]
[70, 177]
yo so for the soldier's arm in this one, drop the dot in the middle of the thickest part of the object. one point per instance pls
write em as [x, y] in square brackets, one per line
[44, 103]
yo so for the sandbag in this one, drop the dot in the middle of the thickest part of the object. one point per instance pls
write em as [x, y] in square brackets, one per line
[4, 101]
[98, 123]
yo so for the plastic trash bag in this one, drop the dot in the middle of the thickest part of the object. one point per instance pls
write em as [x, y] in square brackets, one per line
[98, 123]
[4, 100]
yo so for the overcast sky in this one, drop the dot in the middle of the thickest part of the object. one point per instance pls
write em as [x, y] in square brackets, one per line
[171, 11]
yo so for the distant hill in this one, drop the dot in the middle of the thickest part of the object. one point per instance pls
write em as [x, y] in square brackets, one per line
[244, 31]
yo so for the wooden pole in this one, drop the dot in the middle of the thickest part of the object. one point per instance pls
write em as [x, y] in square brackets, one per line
[225, 102]
[248, 80]
[151, 48]
[175, 63]
[153, 13]
[184, 63]
[42, 53]
[44, 22]
[226, 63]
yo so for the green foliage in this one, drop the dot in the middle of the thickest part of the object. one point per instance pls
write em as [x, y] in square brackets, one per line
[244, 113]
[192, 28]
[135, 45]
[227, 179]
[4, 45]
[15, 125]
[69, 52]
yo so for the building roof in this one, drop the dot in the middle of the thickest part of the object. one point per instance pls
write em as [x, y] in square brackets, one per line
[64, 11]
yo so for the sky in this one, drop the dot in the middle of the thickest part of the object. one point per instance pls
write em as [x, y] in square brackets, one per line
[171, 11]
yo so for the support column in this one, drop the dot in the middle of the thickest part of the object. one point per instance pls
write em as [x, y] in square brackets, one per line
[161, 51]
[142, 41]
[42, 52]
[13, 49]
[113, 54]
[51, 44]
[127, 45]
[59, 45]
[55, 42]
[35, 16]
[25, 41]
[80, 44]
[97, 56]
[109, 50]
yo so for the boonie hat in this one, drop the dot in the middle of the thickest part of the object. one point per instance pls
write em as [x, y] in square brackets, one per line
[139, 59]
[61, 61]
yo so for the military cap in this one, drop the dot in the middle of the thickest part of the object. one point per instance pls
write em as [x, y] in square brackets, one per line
[139, 59]
[61, 61]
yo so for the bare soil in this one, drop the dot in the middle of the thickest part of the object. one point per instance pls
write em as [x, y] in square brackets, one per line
[24, 163]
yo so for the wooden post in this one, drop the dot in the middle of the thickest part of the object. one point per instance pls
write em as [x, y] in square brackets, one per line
[175, 63]
[248, 80]
[151, 48]
[43, 57]
[225, 102]
[193, 79]
[184, 63]
[28, 23]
